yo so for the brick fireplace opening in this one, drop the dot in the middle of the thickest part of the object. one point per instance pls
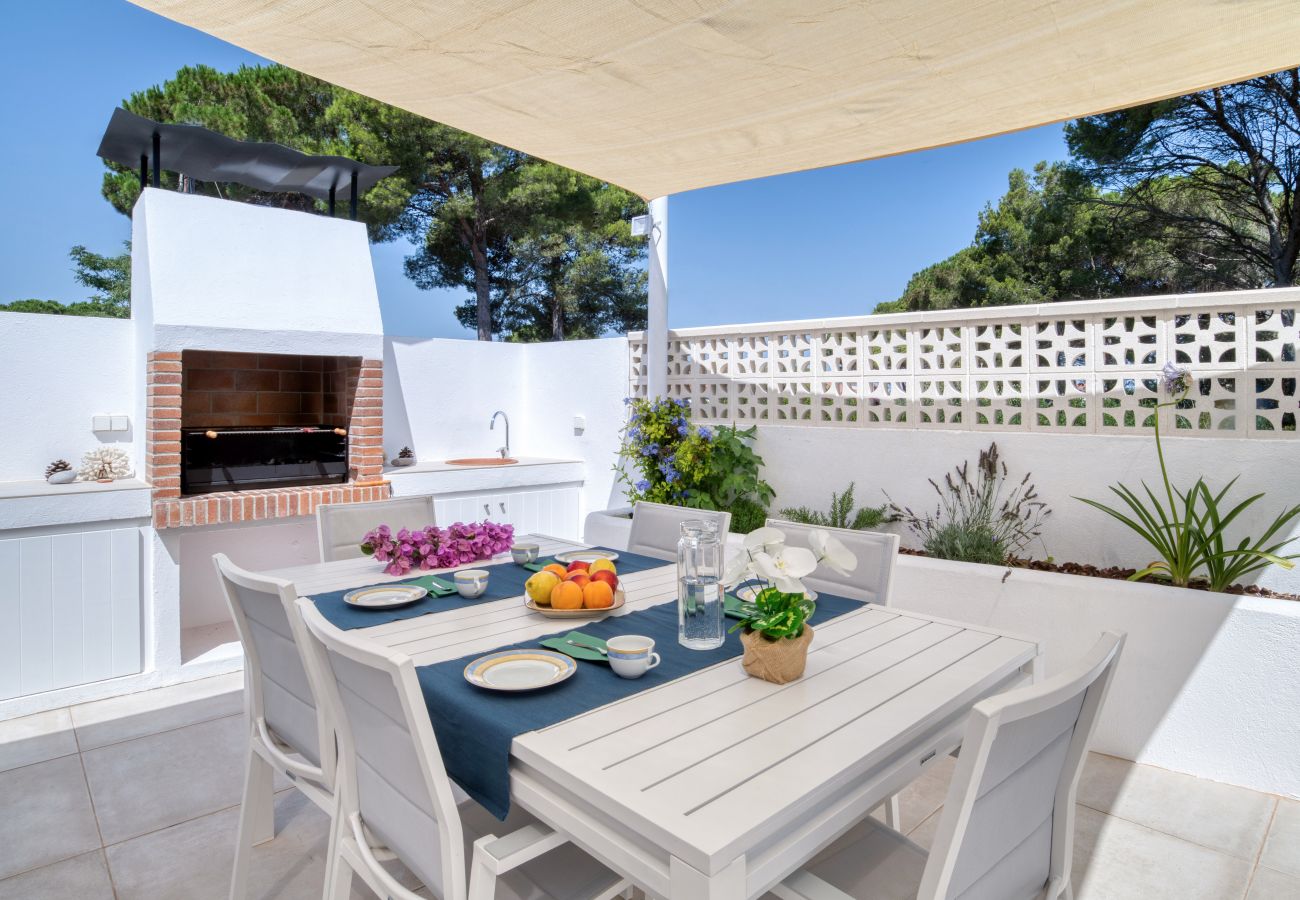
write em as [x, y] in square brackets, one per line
[229, 390]
[233, 389]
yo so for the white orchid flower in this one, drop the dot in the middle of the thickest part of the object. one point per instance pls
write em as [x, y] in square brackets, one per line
[740, 565]
[786, 568]
[767, 540]
[832, 553]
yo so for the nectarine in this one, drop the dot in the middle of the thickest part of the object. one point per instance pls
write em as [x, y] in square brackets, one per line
[598, 595]
[566, 595]
[606, 576]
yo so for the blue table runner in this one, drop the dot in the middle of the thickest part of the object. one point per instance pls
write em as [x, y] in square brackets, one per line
[507, 580]
[475, 727]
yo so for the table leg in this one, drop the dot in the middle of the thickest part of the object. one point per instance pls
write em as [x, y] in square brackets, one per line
[689, 883]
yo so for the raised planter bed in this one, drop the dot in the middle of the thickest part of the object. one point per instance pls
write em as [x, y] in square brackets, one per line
[1207, 684]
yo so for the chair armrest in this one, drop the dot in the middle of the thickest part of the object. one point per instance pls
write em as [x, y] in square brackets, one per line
[501, 854]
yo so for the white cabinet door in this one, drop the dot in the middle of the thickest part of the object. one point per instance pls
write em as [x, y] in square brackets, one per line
[548, 510]
[72, 603]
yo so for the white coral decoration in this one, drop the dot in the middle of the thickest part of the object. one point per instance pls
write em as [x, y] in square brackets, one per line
[104, 462]
[764, 555]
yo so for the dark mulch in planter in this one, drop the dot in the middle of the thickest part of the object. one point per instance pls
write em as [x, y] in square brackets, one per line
[1121, 574]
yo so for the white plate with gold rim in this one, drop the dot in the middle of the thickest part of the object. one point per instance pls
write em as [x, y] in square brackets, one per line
[519, 670]
[385, 596]
[587, 556]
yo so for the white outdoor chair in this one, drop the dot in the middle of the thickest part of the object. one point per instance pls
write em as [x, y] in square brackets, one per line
[288, 731]
[1007, 828]
[657, 526]
[394, 794]
[876, 553]
[341, 526]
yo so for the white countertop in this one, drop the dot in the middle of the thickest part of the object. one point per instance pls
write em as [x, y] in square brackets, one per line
[42, 488]
[33, 504]
[443, 466]
[441, 477]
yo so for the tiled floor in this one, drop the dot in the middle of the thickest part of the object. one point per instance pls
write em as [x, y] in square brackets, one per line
[136, 797]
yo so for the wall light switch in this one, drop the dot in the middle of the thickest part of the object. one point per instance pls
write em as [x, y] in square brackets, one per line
[579, 424]
[121, 423]
[101, 423]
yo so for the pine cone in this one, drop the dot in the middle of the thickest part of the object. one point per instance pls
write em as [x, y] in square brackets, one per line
[405, 453]
[59, 465]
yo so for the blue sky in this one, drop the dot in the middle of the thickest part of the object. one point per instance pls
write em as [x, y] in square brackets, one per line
[825, 243]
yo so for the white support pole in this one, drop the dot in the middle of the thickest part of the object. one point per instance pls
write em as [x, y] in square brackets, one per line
[656, 332]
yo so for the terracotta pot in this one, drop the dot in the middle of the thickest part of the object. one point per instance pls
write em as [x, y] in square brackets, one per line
[779, 662]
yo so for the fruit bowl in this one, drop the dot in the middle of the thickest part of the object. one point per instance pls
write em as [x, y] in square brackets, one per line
[619, 599]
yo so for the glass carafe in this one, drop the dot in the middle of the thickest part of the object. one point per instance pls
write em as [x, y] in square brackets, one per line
[699, 586]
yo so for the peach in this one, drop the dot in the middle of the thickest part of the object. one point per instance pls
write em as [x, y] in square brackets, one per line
[566, 595]
[607, 577]
[598, 595]
[579, 578]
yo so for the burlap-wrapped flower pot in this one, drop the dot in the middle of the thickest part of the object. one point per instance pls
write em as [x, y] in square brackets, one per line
[780, 661]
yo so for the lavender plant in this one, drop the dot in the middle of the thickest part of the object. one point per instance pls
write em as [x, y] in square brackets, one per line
[982, 516]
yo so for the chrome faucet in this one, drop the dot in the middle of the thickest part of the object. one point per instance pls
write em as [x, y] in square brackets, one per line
[504, 451]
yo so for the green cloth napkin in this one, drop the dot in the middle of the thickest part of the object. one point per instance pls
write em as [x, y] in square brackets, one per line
[437, 587]
[577, 644]
[540, 564]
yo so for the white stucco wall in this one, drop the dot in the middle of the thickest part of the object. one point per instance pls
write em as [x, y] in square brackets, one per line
[578, 378]
[216, 264]
[56, 372]
[805, 464]
[256, 547]
[440, 394]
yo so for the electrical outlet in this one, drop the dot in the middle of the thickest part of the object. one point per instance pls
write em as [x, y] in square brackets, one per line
[101, 423]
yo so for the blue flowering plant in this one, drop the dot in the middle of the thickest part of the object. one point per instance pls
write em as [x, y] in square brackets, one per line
[1188, 529]
[666, 458]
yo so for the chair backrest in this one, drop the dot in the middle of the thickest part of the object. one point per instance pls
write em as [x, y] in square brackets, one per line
[341, 526]
[390, 774]
[282, 695]
[1007, 828]
[876, 552]
[657, 526]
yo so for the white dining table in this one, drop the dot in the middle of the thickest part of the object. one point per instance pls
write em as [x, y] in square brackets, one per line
[717, 785]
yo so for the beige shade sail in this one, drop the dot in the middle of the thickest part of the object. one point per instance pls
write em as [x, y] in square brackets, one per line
[662, 96]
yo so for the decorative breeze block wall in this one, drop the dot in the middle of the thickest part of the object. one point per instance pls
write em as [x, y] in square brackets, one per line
[1088, 367]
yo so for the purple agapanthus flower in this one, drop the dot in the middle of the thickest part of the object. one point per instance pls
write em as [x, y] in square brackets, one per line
[1175, 380]
[705, 433]
[643, 485]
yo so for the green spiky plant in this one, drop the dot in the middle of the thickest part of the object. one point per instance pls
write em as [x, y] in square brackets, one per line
[842, 513]
[1188, 532]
